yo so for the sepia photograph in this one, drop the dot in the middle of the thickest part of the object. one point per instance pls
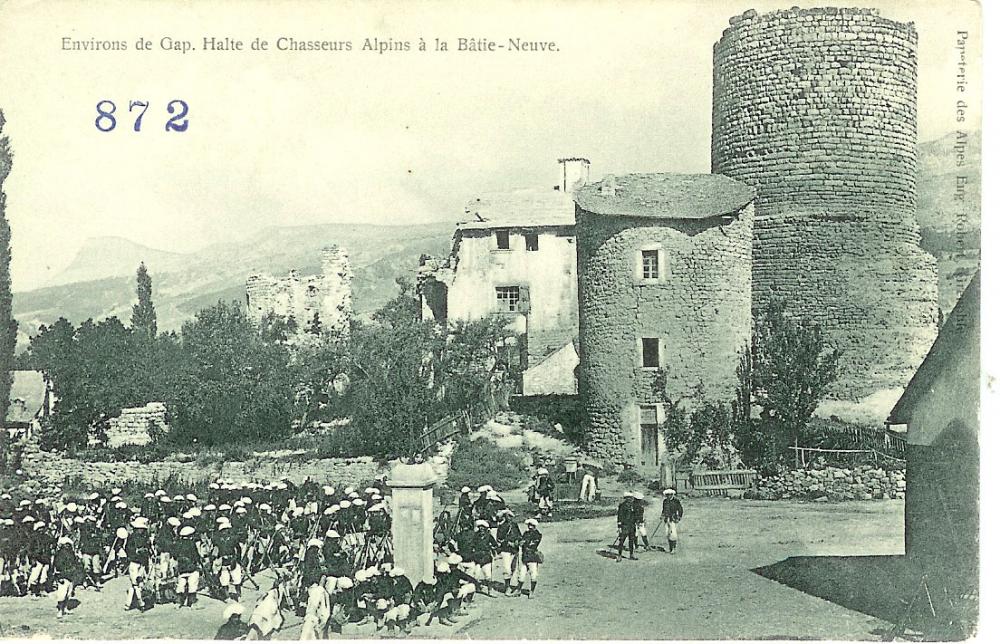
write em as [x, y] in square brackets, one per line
[490, 320]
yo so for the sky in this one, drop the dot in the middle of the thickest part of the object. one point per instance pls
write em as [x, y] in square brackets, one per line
[288, 138]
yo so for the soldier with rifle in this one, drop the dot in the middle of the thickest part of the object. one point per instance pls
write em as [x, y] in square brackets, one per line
[509, 540]
[138, 550]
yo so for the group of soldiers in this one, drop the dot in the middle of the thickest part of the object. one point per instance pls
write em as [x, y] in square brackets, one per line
[327, 554]
[632, 521]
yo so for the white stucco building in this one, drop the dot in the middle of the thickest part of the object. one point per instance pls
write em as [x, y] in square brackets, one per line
[514, 255]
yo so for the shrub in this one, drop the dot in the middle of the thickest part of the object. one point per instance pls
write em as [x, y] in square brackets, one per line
[629, 476]
[567, 410]
[480, 462]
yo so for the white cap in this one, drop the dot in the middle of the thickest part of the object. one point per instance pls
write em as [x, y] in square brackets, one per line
[174, 521]
[140, 522]
[639, 496]
[532, 522]
[480, 523]
[442, 566]
[542, 470]
[317, 543]
[121, 533]
[670, 490]
[65, 540]
[232, 609]
[466, 490]
[333, 534]
[628, 495]
[483, 488]
[454, 559]
[187, 531]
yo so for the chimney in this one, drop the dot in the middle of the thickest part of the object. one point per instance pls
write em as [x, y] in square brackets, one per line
[575, 173]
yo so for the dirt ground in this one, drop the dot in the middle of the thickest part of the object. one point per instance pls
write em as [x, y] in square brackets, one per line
[707, 590]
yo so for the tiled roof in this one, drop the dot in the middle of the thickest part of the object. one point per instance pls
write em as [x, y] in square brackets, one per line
[665, 196]
[27, 395]
[520, 209]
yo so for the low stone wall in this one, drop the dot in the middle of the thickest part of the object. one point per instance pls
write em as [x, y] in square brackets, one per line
[833, 484]
[50, 469]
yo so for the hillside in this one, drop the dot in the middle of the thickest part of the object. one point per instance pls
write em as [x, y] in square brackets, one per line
[185, 283]
[100, 280]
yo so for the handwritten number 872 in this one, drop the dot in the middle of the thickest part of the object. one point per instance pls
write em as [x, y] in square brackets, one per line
[105, 121]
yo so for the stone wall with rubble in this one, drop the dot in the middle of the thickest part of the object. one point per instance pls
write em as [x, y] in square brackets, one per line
[816, 108]
[302, 297]
[132, 426]
[864, 483]
[701, 313]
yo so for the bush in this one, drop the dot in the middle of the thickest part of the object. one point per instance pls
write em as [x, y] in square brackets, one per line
[629, 476]
[567, 410]
[345, 442]
[480, 462]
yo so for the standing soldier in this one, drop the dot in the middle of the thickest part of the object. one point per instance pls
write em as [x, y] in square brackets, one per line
[188, 560]
[509, 540]
[92, 549]
[40, 547]
[531, 556]
[138, 550]
[484, 549]
[639, 512]
[546, 489]
[231, 572]
[671, 515]
[626, 526]
[68, 572]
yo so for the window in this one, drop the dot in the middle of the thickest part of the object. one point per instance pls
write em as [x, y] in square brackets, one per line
[503, 239]
[508, 298]
[531, 241]
[650, 265]
[650, 352]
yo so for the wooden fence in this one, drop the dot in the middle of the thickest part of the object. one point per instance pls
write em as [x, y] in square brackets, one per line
[805, 455]
[442, 430]
[721, 482]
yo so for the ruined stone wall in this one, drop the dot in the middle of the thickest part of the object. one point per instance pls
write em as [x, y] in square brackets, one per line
[816, 108]
[131, 427]
[328, 293]
[700, 310]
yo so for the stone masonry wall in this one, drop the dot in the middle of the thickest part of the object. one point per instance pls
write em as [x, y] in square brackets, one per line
[131, 427]
[701, 312]
[865, 483]
[816, 108]
[328, 294]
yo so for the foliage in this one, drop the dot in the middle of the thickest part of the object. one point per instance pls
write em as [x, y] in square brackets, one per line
[143, 312]
[567, 410]
[8, 325]
[793, 367]
[629, 476]
[479, 462]
[235, 381]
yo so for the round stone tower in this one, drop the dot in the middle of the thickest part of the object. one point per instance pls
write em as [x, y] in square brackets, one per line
[663, 267]
[816, 108]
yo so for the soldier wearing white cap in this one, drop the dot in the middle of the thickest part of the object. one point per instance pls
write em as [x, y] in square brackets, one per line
[531, 556]
[639, 516]
[545, 488]
[484, 549]
[626, 526]
[317, 611]
[233, 628]
[67, 572]
[188, 567]
[671, 515]
[138, 550]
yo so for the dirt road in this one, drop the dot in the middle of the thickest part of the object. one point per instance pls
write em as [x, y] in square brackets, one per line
[708, 590]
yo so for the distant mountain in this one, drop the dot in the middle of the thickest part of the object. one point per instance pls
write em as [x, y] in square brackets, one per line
[103, 257]
[948, 210]
[185, 283]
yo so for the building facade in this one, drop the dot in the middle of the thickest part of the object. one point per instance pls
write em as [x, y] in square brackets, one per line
[514, 256]
[940, 409]
[664, 271]
[326, 296]
[817, 110]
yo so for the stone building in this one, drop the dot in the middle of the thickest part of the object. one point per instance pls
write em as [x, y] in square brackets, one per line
[816, 109]
[664, 266]
[940, 409]
[514, 255]
[327, 295]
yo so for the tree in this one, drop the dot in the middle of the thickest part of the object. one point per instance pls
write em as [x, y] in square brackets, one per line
[793, 367]
[143, 313]
[233, 384]
[8, 325]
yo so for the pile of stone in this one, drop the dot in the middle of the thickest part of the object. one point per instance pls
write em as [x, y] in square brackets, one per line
[132, 426]
[865, 483]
